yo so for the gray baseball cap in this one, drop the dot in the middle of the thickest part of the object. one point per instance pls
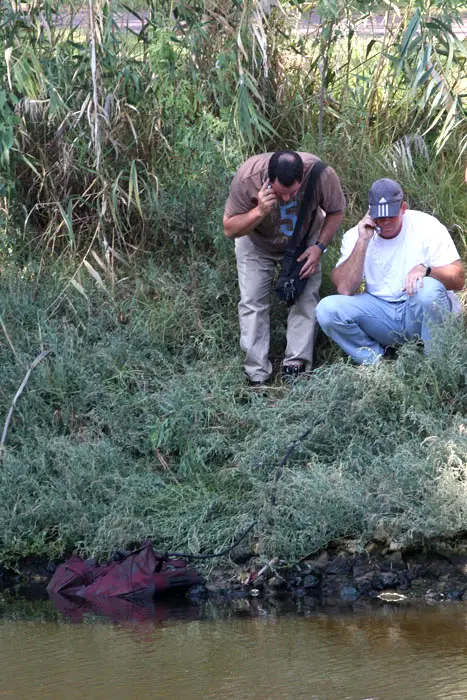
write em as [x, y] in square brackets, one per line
[385, 198]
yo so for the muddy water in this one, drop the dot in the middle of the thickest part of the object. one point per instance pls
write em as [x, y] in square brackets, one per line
[244, 651]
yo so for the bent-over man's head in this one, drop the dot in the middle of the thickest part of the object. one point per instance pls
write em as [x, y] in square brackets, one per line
[285, 173]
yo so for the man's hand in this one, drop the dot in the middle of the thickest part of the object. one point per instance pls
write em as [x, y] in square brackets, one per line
[242, 224]
[312, 256]
[267, 199]
[414, 279]
[366, 228]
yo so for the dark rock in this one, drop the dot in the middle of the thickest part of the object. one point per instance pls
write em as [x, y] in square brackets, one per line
[51, 568]
[4, 576]
[396, 558]
[349, 593]
[238, 595]
[330, 588]
[317, 564]
[389, 565]
[361, 566]
[311, 581]
[403, 581]
[384, 580]
[197, 593]
[295, 581]
[218, 593]
[455, 595]
[412, 572]
[299, 592]
[364, 583]
[339, 566]
[237, 586]
[315, 570]
[276, 582]
[460, 563]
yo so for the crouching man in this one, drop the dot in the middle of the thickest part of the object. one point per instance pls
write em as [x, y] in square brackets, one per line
[410, 266]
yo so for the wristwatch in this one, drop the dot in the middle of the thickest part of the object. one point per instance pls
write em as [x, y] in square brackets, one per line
[428, 271]
[322, 247]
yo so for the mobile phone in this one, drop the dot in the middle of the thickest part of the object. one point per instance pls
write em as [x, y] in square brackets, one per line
[377, 230]
[269, 187]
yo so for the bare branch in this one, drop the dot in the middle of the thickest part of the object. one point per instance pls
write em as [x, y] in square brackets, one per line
[38, 359]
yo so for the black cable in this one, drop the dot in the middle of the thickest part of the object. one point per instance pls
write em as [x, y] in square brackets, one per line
[212, 556]
[283, 461]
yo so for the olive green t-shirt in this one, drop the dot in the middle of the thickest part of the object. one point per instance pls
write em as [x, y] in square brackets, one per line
[273, 233]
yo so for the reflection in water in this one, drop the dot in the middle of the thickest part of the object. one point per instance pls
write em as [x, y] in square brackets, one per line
[122, 610]
[245, 650]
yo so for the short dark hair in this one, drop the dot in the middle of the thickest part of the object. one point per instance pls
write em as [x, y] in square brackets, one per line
[285, 166]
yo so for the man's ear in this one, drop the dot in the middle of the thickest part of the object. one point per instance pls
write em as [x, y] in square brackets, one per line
[403, 207]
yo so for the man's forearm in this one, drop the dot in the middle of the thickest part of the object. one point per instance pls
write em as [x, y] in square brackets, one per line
[330, 225]
[452, 275]
[348, 276]
[241, 224]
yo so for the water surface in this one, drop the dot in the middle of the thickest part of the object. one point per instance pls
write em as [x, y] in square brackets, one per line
[244, 651]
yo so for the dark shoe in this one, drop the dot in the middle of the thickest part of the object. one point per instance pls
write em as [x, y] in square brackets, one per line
[256, 383]
[390, 353]
[291, 372]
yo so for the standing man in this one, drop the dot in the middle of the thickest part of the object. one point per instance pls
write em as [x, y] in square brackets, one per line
[260, 214]
[410, 266]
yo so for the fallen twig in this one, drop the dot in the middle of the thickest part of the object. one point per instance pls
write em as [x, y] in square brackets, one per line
[40, 357]
[252, 577]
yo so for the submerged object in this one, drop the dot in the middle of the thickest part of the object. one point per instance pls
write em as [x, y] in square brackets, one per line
[391, 597]
[141, 574]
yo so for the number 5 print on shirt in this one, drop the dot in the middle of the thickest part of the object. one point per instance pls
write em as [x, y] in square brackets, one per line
[288, 221]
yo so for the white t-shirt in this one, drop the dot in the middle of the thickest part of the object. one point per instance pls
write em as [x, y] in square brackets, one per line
[423, 239]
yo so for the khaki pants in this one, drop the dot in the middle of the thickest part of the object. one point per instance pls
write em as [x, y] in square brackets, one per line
[256, 269]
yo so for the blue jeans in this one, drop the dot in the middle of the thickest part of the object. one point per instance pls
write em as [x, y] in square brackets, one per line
[364, 325]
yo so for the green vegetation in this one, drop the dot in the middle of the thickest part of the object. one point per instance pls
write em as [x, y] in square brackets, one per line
[143, 426]
[116, 151]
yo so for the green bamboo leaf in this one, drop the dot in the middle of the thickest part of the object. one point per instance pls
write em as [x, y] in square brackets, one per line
[95, 275]
[370, 45]
[133, 188]
[30, 164]
[79, 287]
[450, 123]
[432, 85]
[436, 23]
[424, 77]
[450, 57]
[437, 118]
[422, 71]
[67, 218]
[133, 12]
[409, 32]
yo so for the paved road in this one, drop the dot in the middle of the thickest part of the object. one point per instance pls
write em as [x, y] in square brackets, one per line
[373, 26]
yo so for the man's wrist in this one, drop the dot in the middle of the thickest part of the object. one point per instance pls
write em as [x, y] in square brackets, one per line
[323, 248]
[427, 269]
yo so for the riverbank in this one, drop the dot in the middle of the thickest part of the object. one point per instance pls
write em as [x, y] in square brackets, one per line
[337, 576]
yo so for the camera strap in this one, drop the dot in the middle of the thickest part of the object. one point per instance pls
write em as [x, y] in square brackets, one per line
[316, 171]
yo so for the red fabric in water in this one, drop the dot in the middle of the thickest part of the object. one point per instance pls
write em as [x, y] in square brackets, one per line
[141, 574]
